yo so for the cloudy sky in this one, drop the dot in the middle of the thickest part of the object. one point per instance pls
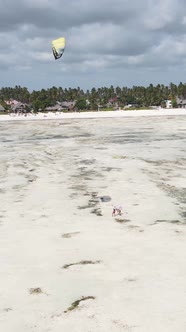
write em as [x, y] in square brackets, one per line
[108, 42]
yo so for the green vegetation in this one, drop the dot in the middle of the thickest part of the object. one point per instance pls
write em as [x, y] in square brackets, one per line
[104, 98]
[81, 104]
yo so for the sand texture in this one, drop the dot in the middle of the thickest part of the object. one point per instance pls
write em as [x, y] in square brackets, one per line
[67, 264]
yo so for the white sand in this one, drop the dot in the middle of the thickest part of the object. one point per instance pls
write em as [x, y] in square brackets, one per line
[51, 172]
[100, 114]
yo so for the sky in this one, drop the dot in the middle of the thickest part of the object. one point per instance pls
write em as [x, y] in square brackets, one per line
[108, 42]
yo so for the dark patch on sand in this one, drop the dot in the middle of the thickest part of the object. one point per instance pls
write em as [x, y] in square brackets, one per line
[100, 148]
[172, 191]
[130, 279]
[85, 173]
[76, 303]
[120, 220]
[183, 214]
[174, 221]
[87, 161]
[97, 212]
[7, 309]
[92, 203]
[120, 157]
[69, 235]
[35, 291]
[177, 231]
[43, 216]
[109, 169]
[2, 191]
[66, 266]
[78, 187]
[135, 227]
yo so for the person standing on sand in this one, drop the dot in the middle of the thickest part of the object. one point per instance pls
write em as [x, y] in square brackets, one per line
[113, 212]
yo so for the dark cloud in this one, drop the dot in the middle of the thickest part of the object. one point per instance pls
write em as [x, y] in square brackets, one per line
[103, 37]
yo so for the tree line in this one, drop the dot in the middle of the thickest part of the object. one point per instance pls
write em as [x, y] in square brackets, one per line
[139, 96]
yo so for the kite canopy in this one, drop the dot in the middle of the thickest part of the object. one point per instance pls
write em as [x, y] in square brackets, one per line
[58, 47]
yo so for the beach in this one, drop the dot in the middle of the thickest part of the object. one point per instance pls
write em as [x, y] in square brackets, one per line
[66, 263]
[93, 115]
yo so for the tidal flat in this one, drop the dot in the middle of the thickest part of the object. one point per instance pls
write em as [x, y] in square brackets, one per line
[59, 182]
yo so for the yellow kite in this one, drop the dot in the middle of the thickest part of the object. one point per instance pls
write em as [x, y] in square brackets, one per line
[58, 47]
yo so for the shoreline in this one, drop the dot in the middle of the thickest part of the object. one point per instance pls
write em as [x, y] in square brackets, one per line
[92, 115]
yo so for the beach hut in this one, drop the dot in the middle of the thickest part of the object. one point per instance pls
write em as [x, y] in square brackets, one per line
[181, 102]
[19, 108]
[68, 105]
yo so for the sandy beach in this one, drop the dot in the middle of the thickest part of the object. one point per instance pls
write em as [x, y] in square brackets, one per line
[66, 263]
[94, 115]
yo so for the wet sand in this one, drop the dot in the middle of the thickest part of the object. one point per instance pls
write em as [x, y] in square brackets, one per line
[66, 263]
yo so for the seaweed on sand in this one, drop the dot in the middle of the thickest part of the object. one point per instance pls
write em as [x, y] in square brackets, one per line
[122, 220]
[183, 214]
[97, 211]
[35, 291]
[7, 309]
[76, 303]
[92, 203]
[172, 191]
[69, 235]
[66, 266]
[119, 157]
[88, 161]
[174, 221]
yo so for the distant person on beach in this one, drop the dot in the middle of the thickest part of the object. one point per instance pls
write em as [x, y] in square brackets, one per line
[117, 211]
[114, 212]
